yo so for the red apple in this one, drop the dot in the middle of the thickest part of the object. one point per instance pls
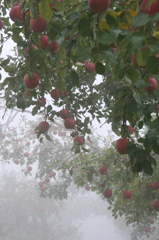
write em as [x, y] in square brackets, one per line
[27, 143]
[26, 154]
[38, 25]
[69, 123]
[44, 40]
[44, 126]
[107, 193]
[78, 140]
[64, 113]
[135, 60]
[47, 180]
[154, 85]
[41, 102]
[154, 185]
[121, 145]
[130, 129]
[41, 152]
[52, 6]
[28, 48]
[53, 46]
[1, 24]
[152, 221]
[55, 94]
[29, 168]
[31, 82]
[66, 93]
[102, 185]
[52, 174]
[147, 229]
[16, 13]
[28, 93]
[87, 187]
[153, 8]
[127, 194]
[41, 184]
[98, 6]
[156, 204]
[43, 188]
[55, 132]
[16, 161]
[103, 169]
[89, 67]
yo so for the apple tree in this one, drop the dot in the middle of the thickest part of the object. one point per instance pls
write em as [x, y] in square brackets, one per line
[61, 49]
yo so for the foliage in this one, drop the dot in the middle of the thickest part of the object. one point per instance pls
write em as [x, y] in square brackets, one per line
[109, 40]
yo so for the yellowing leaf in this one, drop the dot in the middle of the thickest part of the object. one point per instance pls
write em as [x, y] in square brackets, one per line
[119, 13]
[113, 14]
[123, 26]
[132, 13]
[45, 10]
[29, 13]
[104, 25]
[156, 34]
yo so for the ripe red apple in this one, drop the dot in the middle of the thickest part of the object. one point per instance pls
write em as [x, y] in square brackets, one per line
[130, 129]
[154, 86]
[1, 24]
[78, 140]
[135, 60]
[102, 185]
[152, 221]
[69, 123]
[98, 6]
[87, 187]
[41, 152]
[29, 168]
[16, 13]
[154, 185]
[52, 6]
[28, 93]
[41, 102]
[52, 174]
[153, 8]
[31, 82]
[66, 93]
[38, 25]
[156, 204]
[28, 48]
[107, 193]
[44, 126]
[26, 154]
[147, 229]
[103, 169]
[55, 94]
[27, 143]
[44, 40]
[41, 184]
[16, 161]
[127, 194]
[121, 145]
[43, 188]
[47, 180]
[64, 113]
[55, 132]
[53, 46]
[89, 67]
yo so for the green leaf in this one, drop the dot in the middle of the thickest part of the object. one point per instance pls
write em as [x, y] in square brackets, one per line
[137, 37]
[59, 6]
[137, 98]
[84, 27]
[45, 10]
[75, 78]
[5, 62]
[100, 68]
[140, 20]
[106, 38]
[147, 167]
[132, 74]
[20, 102]
[152, 65]
[89, 177]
